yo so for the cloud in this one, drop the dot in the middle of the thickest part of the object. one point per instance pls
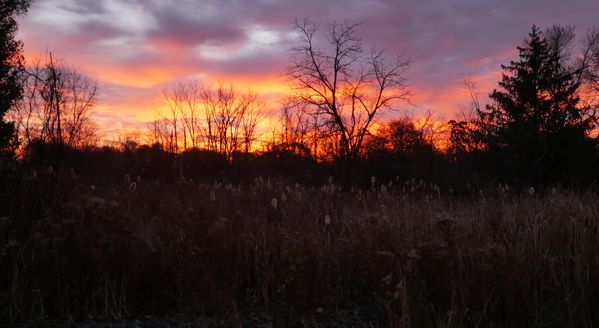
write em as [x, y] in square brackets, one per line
[136, 47]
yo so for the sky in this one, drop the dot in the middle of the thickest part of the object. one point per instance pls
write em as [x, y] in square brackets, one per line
[137, 48]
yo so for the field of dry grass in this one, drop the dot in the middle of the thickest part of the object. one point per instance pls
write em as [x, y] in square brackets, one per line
[419, 255]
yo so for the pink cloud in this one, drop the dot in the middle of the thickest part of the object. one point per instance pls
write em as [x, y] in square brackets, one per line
[136, 48]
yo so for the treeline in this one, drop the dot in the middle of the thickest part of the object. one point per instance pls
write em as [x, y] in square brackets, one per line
[538, 127]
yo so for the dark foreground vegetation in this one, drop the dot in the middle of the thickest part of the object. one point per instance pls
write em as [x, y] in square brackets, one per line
[489, 220]
[405, 253]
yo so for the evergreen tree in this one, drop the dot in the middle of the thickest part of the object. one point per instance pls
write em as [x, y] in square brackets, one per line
[538, 129]
[11, 63]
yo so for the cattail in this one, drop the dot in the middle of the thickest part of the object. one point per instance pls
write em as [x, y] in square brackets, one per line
[327, 219]
[372, 181]
[212, 196]
[283, 197]
[331, 188]
[531, 191]
[388, 279]
[437, 191]
[274, 203]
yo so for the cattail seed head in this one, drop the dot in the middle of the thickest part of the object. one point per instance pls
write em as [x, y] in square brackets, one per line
[274, 203]
[388, 279]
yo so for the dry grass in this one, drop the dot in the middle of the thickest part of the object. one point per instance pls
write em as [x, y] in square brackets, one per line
[423, 256]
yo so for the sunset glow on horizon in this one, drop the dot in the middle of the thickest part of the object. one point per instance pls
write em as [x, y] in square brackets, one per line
[136, 49]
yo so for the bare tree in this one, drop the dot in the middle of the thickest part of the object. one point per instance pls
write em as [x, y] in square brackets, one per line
[175, 104]
[162, 133]
[57, 104]
[190, 94]
[219, 119]
[294, 130]
[184, 118]
[25, 112]
[462, 130]
[231, 118]
[583, 67]
[343, 86]
[249, 122]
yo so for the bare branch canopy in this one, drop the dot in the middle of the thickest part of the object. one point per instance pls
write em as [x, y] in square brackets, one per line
[342, 85]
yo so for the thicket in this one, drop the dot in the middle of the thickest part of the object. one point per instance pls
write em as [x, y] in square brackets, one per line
[80, 245]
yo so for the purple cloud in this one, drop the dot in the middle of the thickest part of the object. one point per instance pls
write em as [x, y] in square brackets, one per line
[137, 47]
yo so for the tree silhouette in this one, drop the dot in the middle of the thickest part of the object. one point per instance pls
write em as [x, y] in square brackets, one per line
[538, 127]
[343, 86]
[11, 63]
[219, 118]
[57, 105]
